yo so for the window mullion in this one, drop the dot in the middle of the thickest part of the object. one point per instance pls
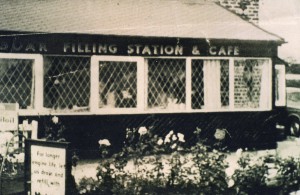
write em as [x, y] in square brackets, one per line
[94, 102]
[271, 87]
[146, 84]
[188, 84]
[231, 83]
[39, 83]
[141, 85]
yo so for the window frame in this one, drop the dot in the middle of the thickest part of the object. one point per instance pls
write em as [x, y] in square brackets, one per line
[142, 77]
[281, 87]
[45, 110]
[149, 110]
[142, 84]
[94, 98]
[231, 84]
[37, 80]
[231, 107]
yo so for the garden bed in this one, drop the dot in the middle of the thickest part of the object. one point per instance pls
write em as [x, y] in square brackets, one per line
[196, 170]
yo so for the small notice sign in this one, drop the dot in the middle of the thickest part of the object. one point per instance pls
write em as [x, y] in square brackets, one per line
[47, 166]
[8, 116]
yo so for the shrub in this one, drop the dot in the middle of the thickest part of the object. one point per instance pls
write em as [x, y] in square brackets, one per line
[250, 177]
[148, 164]
[288, 174]
[151, 164]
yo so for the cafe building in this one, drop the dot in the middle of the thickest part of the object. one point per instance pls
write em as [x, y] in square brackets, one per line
[105, 66]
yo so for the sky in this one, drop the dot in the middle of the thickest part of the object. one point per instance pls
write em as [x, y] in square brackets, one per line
[282, 17]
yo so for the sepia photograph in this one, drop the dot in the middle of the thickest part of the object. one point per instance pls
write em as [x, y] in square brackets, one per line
[102, 97]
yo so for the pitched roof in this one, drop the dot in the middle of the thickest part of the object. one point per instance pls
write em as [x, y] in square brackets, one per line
[154, 18]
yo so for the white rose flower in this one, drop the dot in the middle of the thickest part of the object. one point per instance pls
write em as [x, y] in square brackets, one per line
[180, 137]
[171, 133]
[142, 130]
[112, 166]
[160, 142]
[55, 119]
[239, 152]
[104, 170]
[88, 187]
[173, 146]
[167, 140]
[104, 142]
[230, 183]
[220, 134]
[174, 137]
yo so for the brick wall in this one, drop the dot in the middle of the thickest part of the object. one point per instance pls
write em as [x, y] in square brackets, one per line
[247, 84]
[247, 9]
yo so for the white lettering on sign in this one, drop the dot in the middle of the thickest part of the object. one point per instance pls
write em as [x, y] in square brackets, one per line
[224, 51]
[28, 47]
[155, 49]
[8, 117]
[90, 48]
[131, 49]
[48, 173]
[195, 50]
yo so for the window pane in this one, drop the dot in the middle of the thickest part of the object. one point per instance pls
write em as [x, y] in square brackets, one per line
[16, 82]
[248, 81]
[210, 91]
[166, 83]
[197, 84]
[66, 82]
[117, 84]
[224, 83]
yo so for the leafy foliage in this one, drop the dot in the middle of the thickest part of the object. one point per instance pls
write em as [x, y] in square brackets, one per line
[54, 129]
[163, 165]
[250, 178]
[288, 174]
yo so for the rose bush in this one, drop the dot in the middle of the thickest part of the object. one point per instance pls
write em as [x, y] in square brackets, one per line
[54, 129]
[149, 164]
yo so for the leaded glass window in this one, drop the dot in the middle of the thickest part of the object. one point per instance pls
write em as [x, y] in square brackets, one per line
[66, 82]
[166, 83]
[197, 84]
[210, 84]
[224, 83]
[251, 83]
[117, 84]
[16, 82]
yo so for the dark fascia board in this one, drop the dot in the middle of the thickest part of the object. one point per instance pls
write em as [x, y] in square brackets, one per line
[23, 33]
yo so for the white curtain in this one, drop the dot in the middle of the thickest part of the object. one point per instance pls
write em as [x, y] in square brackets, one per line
[265, 88]
[212, 84]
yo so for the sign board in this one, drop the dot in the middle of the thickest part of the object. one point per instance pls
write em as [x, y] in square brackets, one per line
[132, 46]
[8, 116]
[47, 166]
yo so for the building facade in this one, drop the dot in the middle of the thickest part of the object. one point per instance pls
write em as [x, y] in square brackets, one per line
[170, 65]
